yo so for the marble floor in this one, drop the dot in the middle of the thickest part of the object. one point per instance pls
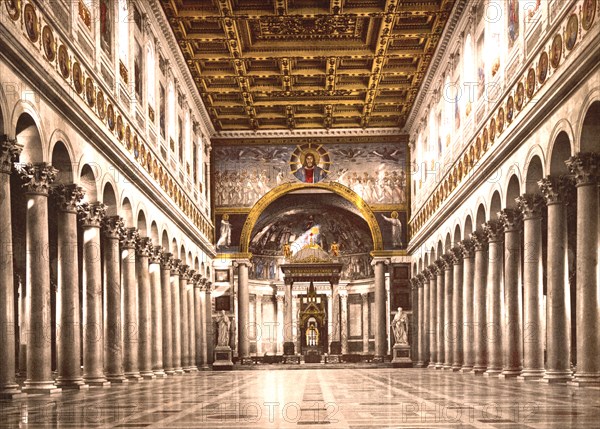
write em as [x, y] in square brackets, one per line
[319, 398]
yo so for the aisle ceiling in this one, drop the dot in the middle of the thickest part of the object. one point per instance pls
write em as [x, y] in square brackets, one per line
[307, 64]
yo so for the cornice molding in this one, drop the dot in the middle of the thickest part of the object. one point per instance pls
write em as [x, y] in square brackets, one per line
[306, 133]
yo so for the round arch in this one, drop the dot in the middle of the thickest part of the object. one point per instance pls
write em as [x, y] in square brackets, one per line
[29, 132]
[285, 188]
[591, 101]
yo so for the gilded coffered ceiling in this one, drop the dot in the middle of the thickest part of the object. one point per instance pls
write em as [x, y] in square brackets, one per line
[307, 64]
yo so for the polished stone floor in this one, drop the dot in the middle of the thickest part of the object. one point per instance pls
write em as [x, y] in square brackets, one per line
[323, 398]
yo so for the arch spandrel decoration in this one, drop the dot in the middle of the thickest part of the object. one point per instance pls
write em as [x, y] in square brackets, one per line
[285, 188]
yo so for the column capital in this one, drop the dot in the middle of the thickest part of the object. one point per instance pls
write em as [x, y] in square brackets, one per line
[129, 237]
[440, 264]
[511, 219]
[494, 230]
[197, 281]
[190, 275]
[142, 246]
[584, 166]
[457, 254]
[91, 214]
[467, 246]
[414, 283]
[37, 177]
[208, 286]
[557, 189]
[448, 260]
[156, 253]
[67, 196]
[434, 270]
[531, 205]
[422, 279]
[379, 260]
[166, 259]
[479, 240]
[9, 153]
[112, 226]
[239, 262]
[183, 270]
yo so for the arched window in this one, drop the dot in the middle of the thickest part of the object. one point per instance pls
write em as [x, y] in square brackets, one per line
[150, 75]
[172, 119]
[432, 151]
[512, 23]
[469, 80]
[106, 25]
[449, 98]
[495, 44]
[124, 36]
[187, 141]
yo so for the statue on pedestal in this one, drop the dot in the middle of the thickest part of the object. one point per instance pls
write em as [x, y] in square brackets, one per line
[224, 325]
[400, 326]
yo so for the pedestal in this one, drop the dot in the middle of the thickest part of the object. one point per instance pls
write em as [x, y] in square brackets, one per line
[223, 359]
[401, 356]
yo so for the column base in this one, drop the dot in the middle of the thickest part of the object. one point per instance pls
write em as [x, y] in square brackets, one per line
[492, 372]
[456, 367]
[585, 380]
[419, 364]
[557, 377]
[179, 371]
[169, 372]
[479, 370]
[431, 365]
[11, 391]
[187, 369]
[117, 379]
[510, 373]
[71, 383]
[159, 373]
[439, 365]
[147, 375]
[97, 382]
[41, 387]
[531, 375]
[466, 369]
[134, 377]
[447, 367]
[378, 359]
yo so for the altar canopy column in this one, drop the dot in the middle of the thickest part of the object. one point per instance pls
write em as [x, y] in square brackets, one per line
[91, 215]
[9, 389]
[288, 341]
[531, 206]
[210, 341]
[468, 250]
[145, 308]
[166, 312]
[479, 302]
[335, 347]
[447, 325]
[68, 337]
[558, 192]
[200, 341]
[365, 321]
[130, 304]
[439, 329]
[585, 167]
[280, 330]
[191, 321]
[244, 311]
[176, 317]
[113, 332]
[183, 318]
[258, 326]
[380, 319]
[512, 343]
[344, 319]
[37, 179]
[433, 349]
[495, 233]
[456, 332]
[156, 309]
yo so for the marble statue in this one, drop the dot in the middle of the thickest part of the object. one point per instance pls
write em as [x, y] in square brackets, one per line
[400, 326]
[224, 325]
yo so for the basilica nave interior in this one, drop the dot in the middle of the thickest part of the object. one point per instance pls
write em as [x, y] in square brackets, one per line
[194, 190]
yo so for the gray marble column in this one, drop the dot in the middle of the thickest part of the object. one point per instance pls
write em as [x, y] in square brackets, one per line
[558, 193]
[210, 340]
[143, 250]
[166, 312]
[203, 364]
[335, 345]
[258, 328]
[457, 309]
[154, 271]
[130, 304]
[585, 167]
[479, 240]
[414, 322]
[37, 178]
[424, 317]
[512, 343]
[113, 334]
[468, 251]
[418, 337]
[288, 340]
[533, 338]
[365, 321]
[344, 319]
[448, 324]
[244, 311]
[439, 329]
[9, 389]
[91, 216]
[184, 276]
[68, 338]
[380, 316]
[176, 316]
[200, 335]
[495, 234]
[280, 330]
[432, 272]
[191, 311]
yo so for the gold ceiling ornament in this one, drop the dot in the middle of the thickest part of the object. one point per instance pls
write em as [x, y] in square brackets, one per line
[278, 65]
[285, 188]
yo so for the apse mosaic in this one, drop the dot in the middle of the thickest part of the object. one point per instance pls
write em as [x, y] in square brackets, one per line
[376, 172]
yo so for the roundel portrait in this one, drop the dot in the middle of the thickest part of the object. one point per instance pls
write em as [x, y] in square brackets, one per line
[310, 163]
